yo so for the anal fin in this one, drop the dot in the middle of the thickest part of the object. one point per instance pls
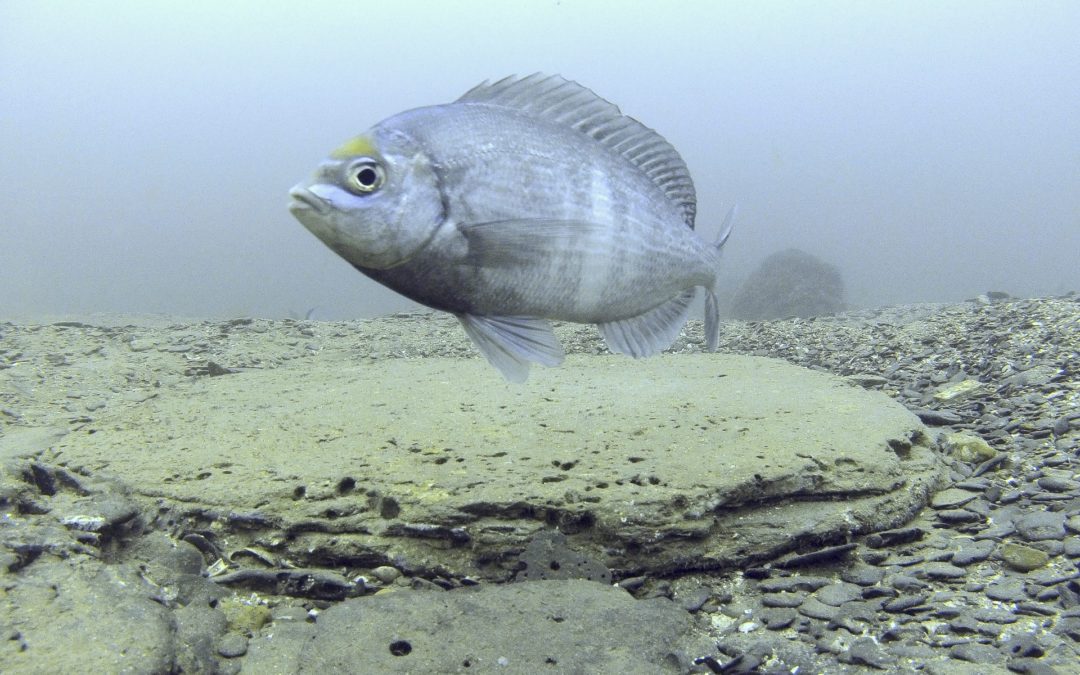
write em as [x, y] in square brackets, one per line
[651, 332]
[511, 343]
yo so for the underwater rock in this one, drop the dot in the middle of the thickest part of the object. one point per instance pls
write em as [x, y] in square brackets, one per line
[547, 557]
[586, 627]
[672, 464]
[789, 283]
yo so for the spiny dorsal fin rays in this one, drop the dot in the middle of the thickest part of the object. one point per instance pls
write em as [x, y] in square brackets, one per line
[556, 99]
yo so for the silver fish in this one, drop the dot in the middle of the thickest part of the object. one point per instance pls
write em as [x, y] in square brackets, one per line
[525, 200]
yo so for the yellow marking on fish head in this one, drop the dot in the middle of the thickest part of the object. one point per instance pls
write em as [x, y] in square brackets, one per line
[361, 146]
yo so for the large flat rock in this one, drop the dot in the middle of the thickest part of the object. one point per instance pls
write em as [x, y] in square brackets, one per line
[586, 628]
[435, 465]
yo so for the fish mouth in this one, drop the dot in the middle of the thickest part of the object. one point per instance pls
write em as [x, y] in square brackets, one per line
[304, 199]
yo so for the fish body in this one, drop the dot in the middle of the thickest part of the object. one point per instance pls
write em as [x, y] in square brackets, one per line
[525, 200]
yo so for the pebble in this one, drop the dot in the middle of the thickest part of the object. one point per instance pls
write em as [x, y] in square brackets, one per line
[777, 618]
[695, 599]
[866, 651]
[951, 498]
[1071, 547]
[815, 609]
[1023, 646]
[1006, 590]
[973, 552]
[958, 516]
[793, 583]
[969, 448]
[839, 593]
[1023, 558]
[385, 573]
[894, 537]
[1057, 484]
[975, 485]
[1040, 525]
[783, 599]
[863, 574]
[975, 652]
[232, 645]
[905, 603]
[965, 623]
[995, 615]
[941, 570]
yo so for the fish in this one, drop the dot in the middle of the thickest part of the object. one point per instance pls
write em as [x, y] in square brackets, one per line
[525, 201]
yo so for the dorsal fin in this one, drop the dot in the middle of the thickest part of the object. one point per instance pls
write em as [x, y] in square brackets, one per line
[556, 99]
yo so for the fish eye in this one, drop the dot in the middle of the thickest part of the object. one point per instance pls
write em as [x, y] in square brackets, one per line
[365, 176]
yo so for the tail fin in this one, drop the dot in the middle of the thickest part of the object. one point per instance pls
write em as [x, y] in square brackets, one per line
[712, 310]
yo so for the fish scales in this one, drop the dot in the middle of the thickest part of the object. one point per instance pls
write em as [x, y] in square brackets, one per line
[523, 201]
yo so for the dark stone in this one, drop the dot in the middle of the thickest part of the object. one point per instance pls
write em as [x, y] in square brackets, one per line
[905, 560]
[815, 609]
[1023, 558]
[783, 599]
[695, 599]
[1040, 525]
[1007, 590]
[232, 645]
[1057, 484]
[585, 627]
[989, 464]
[941, 571]
[302, 583]
[1069, 626]
[964, 624]
[973, 552]
[865, 652]
[973, 652]
[793, 583]
[824, 555]
[951, 498]
[906, 603]
[1036, 609]
[863, 574]
[958, 516]
[994, 615]
[548, 557]
[838, 593]
[1023, 646]
[894, 537]
[871, 592]
[1071, 547]
[777, 618]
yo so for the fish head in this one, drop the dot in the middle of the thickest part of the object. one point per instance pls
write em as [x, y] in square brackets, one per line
[374, 201]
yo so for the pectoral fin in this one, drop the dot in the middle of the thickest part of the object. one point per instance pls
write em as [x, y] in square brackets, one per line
[511, 343]
[517, 242]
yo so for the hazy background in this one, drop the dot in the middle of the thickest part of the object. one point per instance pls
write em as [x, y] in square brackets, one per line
[931, 150]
